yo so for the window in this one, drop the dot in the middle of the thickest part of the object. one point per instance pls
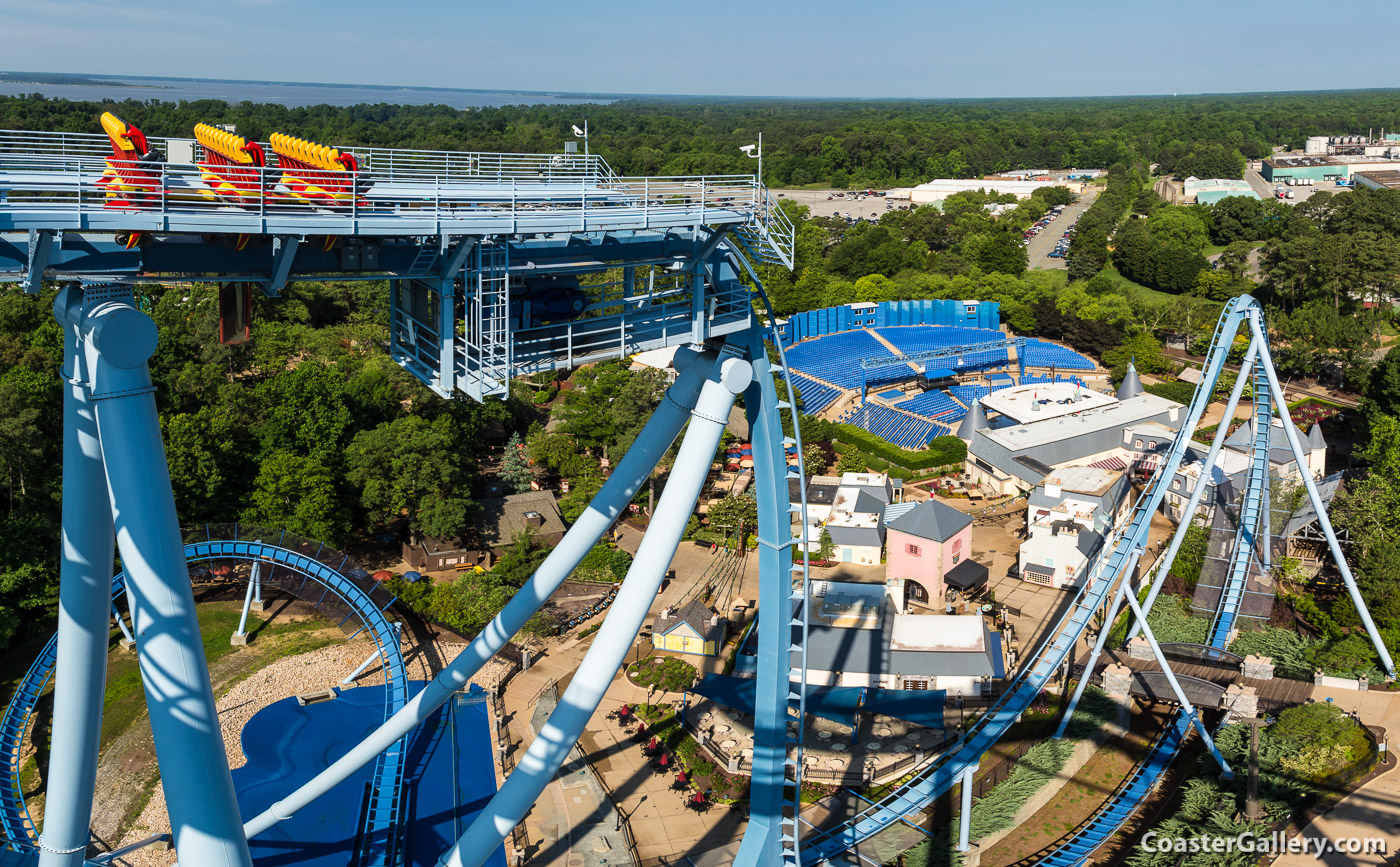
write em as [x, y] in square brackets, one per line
[913, 550]
[971, 309]
[915, 684]
[1137, 444]
[1049, 562]
[1152, 444]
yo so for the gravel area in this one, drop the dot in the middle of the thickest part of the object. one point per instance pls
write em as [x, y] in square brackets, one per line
[307, 672]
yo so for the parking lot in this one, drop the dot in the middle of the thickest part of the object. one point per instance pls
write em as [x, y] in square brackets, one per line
[834, 203]
[1043, 244]
[1267, 190]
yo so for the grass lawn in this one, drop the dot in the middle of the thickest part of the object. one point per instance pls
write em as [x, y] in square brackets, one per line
[125, 699]
[1126, 284]
[665, 673]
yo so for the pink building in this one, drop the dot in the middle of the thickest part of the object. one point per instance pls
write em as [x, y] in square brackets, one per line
[929, 550]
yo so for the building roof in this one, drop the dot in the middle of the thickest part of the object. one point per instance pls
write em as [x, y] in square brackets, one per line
[867, 502]
[1280, 452]
[931, 520]
[1131, 386]
[695, 614]
[973, 421]
[875, 651]
[1039, 401]
[1057, 441]
[1306, 514]
[856, 537]
[894, 510]
[500, 519]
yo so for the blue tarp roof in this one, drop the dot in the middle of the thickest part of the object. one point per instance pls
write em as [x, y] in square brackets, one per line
[836, 703]
[939, 373]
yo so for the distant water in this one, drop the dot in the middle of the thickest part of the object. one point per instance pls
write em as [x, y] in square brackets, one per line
[290, 95]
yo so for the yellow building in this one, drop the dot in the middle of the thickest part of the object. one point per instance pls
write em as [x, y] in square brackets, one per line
[695, 628]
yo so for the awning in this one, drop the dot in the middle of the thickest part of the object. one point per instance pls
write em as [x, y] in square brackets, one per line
[966, 575]
[1147, 465]
[1112, 463]
[1037, 569]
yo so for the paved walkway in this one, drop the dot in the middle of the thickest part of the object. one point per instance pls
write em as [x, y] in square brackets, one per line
[1372, 810]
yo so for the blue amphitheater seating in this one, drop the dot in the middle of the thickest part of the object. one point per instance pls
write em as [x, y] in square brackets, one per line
[1041, 379]
[836, 358]
[935, 405]
[895, 427]
[1042, 354]
[815, 396]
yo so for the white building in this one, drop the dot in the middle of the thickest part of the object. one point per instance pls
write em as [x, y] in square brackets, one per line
[942, 188]
[1127, 434]
[849, 508]
[1070, 517]
[856, 637]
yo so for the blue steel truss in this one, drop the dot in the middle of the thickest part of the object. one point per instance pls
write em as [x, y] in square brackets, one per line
[880, 362]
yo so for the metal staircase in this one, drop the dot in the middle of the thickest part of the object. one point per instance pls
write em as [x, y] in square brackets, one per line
[486, 355]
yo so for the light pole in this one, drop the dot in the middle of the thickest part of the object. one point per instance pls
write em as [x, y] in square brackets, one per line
[583, 134]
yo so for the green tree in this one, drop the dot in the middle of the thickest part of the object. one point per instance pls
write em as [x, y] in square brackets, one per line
[826, 547]
[408, 467]
[515, 468]
[299, 493]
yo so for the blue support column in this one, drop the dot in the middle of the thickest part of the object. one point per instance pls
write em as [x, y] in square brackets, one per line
[1323, 521]
[969, 775]
[546, 754]
[1188, 515]
[631, 473]
[1124, 587]
[119, 340]
[84, 594]
[762, 843]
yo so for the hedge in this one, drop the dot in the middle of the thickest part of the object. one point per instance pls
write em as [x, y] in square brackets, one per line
[941, 451]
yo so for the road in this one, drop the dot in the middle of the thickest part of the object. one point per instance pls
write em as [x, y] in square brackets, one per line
[1043, 244]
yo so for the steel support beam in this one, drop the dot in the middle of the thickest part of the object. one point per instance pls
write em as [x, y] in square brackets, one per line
[1186, 706]
[284, 250]
[118, 341]
[557, 737]
[969, 775]
[41, 243]
[763, 839]
[84, 598]
[607, 506]
[1323, 522]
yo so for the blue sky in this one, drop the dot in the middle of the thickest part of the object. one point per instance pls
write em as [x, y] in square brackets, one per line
[816, 48]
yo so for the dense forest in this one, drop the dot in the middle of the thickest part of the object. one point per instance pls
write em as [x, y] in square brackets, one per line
[310, 426]
[867, 143]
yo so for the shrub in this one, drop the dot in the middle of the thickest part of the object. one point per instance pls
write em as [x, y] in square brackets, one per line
[664, 673]
[1288, 650]
[619, 564]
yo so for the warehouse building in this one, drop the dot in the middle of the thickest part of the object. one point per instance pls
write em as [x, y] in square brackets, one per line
[942, 188]
[1211, 190]
[1327, 168]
